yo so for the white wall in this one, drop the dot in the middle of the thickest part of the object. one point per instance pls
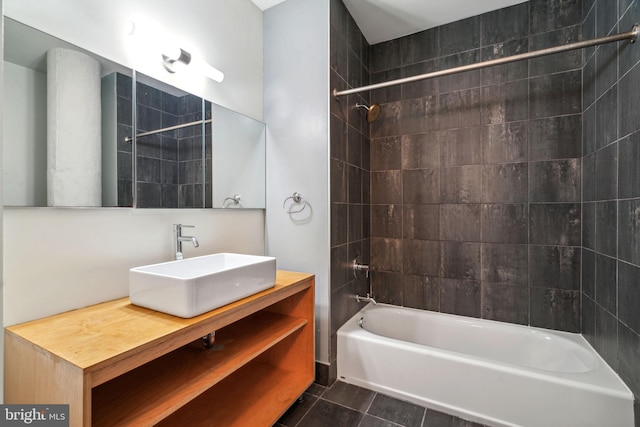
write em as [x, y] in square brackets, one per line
[296, 39]
[60, 259]
[226, 33]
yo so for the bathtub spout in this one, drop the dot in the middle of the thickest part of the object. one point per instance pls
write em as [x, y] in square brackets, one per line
[367, 298]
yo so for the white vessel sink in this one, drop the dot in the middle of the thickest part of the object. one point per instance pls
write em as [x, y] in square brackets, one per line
[193, 286]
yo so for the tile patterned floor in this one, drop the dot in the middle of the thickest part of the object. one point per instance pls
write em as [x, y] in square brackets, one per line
[346, 405]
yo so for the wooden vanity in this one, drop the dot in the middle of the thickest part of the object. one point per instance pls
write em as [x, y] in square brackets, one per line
[117, 364]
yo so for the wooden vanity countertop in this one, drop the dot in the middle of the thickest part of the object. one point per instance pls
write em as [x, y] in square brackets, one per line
[95, 336]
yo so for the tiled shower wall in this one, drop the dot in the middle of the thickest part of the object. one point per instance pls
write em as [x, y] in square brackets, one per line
[479, 203]
[476, 177]
[349, 168]
[611, 190]
[169, 164]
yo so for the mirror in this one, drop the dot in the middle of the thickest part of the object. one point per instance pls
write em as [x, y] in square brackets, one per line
[214, 158]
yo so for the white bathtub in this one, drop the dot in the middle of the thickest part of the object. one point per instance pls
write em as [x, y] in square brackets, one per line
[495, 373]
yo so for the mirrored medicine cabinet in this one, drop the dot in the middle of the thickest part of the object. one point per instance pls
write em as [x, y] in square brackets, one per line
[186, 152]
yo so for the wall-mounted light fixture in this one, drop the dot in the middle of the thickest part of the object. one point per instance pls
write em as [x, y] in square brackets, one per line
[176, 60]
[173, 58]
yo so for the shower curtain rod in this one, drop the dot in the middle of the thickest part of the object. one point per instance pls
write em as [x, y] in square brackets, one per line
[128, 139]
[630, 35]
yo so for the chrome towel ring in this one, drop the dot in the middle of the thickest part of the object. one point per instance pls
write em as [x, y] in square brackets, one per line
[296, 200]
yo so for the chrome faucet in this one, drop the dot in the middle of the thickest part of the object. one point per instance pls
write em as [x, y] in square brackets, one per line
[356, 266]
[367, 298]
[179, 238]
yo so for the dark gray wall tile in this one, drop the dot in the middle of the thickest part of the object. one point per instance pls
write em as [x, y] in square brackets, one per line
[607, 16]
[606, 224]
[384, 56]
[420, 186]
[339, 224]
[555, 309]
[506, 264]
[556, 94]
[555, 267]
[505, 183]
[354, 184]
[505, 223]
[386, 254]
[555, 181]
[459, 81]
[421, 222]
[589, 178]
[420, 46]
[606, 67]
[355, 140]
[589, 130]
[629, 368]
[629, 99]
[340, 267]
[461, 297]
[628, 171]
[460, 36]
[555, 138]
[385, 186]
[606, 342]
[461, 260]
[356, 222]
[387, 94]
[629, 295]
[505, 72]
[606, 116]
[555, 224]
[628, 55]
[422, 292]
[565, 61]
[547, 15]
[629, 230]
[419, 88]
[421, 151]
[459, 109]
[386, 153]
[589, 225]
[460, 222]
[589, 319]
[606, 288]
[505, 303]
[460, 147]
[505, 24]
[386, 221]
[461, 184]
[388, 122]
[387, 286]
[421, 257]
[338, 181]
[505, 142]
[589, 82]
[418, 115]
[505, 102]
[589, 273]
